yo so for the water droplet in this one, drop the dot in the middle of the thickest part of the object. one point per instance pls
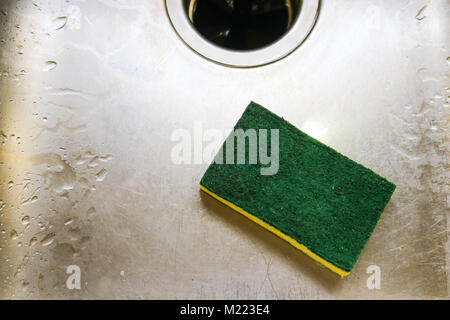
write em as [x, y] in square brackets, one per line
[60, 22]
[50, 65]
[93, 163]
[3, 137]
[84, 183]
[34, 199]
[68, 221]
[13, 235]
[420, 15]
[26, 220]
[65, 195]
[33, 241]
[100, 176]
[10, 185]
[48, 239]
[105, 158]
[91, 211]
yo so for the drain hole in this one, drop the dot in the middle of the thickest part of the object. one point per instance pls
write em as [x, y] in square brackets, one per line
[242, 24]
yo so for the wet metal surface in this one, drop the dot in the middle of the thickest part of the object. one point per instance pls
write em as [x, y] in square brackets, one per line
[92, 91]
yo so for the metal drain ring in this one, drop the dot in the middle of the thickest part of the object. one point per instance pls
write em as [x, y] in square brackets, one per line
[243, 59]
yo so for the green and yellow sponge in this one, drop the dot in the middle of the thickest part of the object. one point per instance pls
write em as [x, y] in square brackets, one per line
[319, 201]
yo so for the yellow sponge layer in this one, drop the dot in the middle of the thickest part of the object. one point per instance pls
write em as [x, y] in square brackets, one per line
[280, 234]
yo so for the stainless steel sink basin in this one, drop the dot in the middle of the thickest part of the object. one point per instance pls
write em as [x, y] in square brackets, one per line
[92, 92]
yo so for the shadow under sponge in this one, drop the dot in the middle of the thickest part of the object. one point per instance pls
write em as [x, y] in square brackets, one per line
[320, 201]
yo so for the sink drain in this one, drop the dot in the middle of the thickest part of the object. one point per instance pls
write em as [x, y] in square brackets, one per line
[244, 24]
[243, 33]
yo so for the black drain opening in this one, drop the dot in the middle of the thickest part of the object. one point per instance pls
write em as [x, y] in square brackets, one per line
[242, 24]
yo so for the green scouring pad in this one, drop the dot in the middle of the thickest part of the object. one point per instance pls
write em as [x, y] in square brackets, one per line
[318, 200]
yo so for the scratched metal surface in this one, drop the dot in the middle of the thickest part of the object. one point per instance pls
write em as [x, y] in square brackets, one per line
[91, 92]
